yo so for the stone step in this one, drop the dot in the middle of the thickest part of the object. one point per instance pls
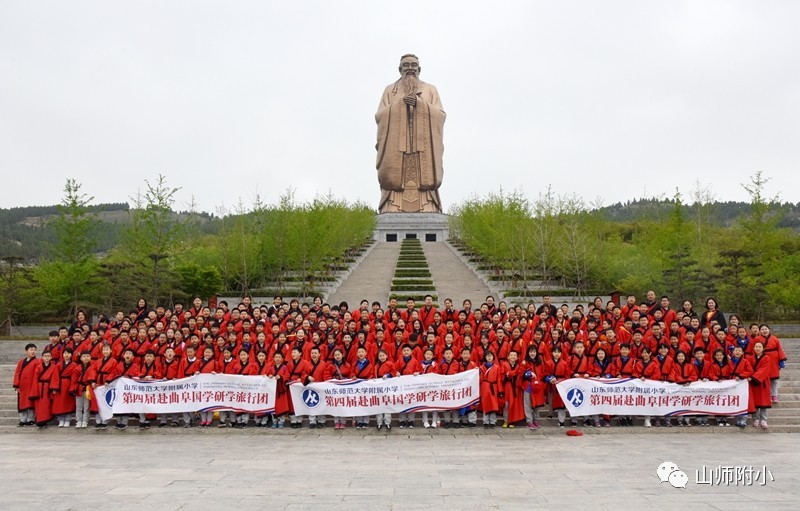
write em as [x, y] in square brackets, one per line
[452, 277]
[371, 279]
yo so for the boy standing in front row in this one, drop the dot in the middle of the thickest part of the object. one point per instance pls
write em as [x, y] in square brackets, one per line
[23, 382]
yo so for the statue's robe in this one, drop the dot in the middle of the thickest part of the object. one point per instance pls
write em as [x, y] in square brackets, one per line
[393, 143]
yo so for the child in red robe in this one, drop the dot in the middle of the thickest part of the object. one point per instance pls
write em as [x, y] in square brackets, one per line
[338, 369]
[23, 382]
[40, 391]
[86, 377]
[742, 369]
[513, 411]
[106, 371]
[63, 385]
[532, 383]
[278, 371]
[490, 389]
[429, 366]
[759, 385]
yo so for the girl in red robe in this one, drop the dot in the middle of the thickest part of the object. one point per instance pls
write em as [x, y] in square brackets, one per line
[279, 371]
[106, 370]
[338, 369]
[760, 400]
[777, 359]
[742, 369]
[513, 410]
[533, 387]
[63, 383]
[490, 375]
[558, 369]
[40, 391]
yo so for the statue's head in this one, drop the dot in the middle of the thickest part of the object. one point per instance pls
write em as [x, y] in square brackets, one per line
[409, 65]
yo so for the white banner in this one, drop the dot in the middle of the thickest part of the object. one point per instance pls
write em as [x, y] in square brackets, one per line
[633, 396]
[202, 392]
[404, 394]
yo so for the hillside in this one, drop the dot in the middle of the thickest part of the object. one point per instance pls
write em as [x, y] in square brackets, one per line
[24, 231]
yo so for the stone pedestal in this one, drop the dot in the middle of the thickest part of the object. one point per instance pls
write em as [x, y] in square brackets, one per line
[395, 227]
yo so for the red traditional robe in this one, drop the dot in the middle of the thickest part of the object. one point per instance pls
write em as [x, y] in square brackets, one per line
[384, 369]
[406, 367]
[535, 383]
[759, 382]
[490, 376]
[648, 370]
[512, 392]
[282, 375]
[717, 371]
[24, 381]
[65, 381]
[40, 391]
[337, 371]
[561, 371]
[107, 370]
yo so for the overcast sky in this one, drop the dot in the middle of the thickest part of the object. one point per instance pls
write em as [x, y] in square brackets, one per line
[609, 100]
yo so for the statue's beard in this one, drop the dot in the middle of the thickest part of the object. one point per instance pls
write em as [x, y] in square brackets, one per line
[410, 84]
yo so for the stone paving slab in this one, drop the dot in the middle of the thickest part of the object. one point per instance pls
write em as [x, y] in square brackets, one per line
[250, 471]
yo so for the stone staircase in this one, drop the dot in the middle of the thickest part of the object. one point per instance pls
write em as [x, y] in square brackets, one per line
[784, 417]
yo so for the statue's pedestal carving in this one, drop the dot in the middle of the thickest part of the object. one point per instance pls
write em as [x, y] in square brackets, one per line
[395, 227]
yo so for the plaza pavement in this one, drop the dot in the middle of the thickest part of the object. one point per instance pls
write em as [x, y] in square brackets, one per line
[350, 470]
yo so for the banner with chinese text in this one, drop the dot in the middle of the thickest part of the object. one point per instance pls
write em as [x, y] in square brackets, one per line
[404, 394]
[633, 396]
[202, 392]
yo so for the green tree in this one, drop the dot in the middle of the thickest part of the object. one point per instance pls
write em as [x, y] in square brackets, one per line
[156, 236]
[72, 262]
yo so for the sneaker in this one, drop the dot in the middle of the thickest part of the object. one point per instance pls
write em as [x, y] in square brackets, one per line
[274, 425]
[280, 425]
[222, 425]
[596, 423]
[448, 425]
[560, 424]
[121, 426]
[606, 423]
[776, 399]
[756, 423]
[764, 425]
[647, 422]
[312, 426]
[505, 425]
[426, 425]
[434, 425]
[471, 425]
[402, 425]
[531, 425]
[379, 426]
[60, 423]
[573, 423]
[175, 424]
[410, 425]
[486, 426]
[536, 425]
[388, 427]
[162, 424]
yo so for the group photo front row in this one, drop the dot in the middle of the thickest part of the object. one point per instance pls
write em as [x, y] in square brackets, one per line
[520, 352]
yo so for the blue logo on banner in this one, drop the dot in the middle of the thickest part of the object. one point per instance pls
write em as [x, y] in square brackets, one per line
[111, 395]
[575, 396]
[310, 398]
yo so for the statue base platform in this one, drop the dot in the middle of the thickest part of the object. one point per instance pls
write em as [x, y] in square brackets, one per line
[395, 227]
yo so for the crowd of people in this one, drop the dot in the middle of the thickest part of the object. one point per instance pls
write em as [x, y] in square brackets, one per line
[521, 352]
